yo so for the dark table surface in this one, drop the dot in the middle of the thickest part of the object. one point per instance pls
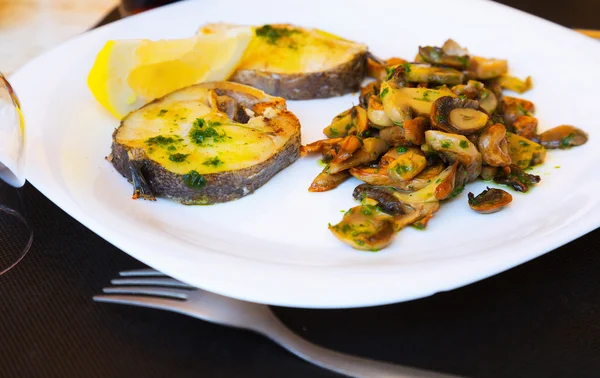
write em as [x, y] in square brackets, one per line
[541, 319]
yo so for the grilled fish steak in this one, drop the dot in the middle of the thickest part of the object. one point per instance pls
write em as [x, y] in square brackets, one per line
[204, 144]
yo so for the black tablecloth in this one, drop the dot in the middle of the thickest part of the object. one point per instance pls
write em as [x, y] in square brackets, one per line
[541, 319]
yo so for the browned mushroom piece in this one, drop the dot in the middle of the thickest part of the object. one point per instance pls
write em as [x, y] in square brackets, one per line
[514, 83]
[371, 89]
[376, 114]
[321, 146]
[516, 178]
[476, 90]
[379, 69]
[385, 197]
[457, 115]
[326, 181]
[340, 125]
[366, 228]
[488, 173]
[348, 146]
[512, 108]
[524, 152]
[437, 55]
[426, 73]
[414, 130]
[394, 136]
[378, 176]
[489, 201]
[526, 126]
[446, 186]
[484, 68]
[456, 147]
[493, 146]
[407, 165]
[370, 150]
[562, 137]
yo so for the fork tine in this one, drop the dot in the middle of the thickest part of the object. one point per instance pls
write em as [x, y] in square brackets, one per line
[145, 290]
[141, 272]
[157, 303]
[151, 281]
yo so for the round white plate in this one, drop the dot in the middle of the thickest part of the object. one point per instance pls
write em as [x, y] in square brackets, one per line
[274, 246]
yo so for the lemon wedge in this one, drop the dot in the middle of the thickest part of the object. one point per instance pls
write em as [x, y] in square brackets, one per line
[130, 73]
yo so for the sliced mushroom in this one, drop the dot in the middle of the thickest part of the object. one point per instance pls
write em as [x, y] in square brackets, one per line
[379, 69]
[348, 146]
[340, 125]
[421, 100]
[457, 115]
[475, 90]
[524, 152]
[489, 201]
[437, 55]
[394, 136]
[516, 178]
[408, 165]
[376, 113]
[366, 228]
[426, 73]
[562, 137]
[384, 196]
[326, 181]
[514, 83]
[395, 106]
[493, 146]
[446, 186]
[484, 68]
[414, 130]
[379, 176]
[458, 145]
[371, 149]
[450, 47]
[321, 146]
[371, 89]
[526, 127]
[512, 108]
[488, 173]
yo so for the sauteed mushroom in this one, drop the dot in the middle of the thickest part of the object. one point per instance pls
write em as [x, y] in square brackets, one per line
[465, 151]
[371, 89]
[426, 73]
[516, 178]
[526, 127]
[489, 201]
[494, 147]
[524, 152]
[457, 115]
[484, 68]
[376, 113]
[436, 55]
[562, 137]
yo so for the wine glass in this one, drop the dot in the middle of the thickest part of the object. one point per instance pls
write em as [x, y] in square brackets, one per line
[16, 234]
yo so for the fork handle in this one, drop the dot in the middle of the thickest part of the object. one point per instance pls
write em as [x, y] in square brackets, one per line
[341, 363]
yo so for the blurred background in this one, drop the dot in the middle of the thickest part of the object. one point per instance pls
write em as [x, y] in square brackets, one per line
[29, 27]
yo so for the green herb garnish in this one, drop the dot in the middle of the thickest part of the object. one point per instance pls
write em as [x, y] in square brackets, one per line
[178, 158]
[383, 93]
[194, 179]
[463, 144]
[162, 112]
[446, 144]
[213, 162]
[272, 35]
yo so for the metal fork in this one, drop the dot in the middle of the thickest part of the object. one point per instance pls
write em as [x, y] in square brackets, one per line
[161, 292]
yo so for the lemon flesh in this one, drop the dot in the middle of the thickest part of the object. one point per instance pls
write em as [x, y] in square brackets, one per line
[130, 73]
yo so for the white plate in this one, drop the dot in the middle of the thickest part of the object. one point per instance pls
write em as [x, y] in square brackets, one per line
[274, 246]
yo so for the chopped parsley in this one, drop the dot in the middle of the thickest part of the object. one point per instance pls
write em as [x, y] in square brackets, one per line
[161, 140]
[273, 35]
[403, 169]
[406, 67]
[566, 141]
[463, 144]
[401, 124]
[162, 112]
[203, 131]
[383, 93]
[401, 150]
[389, 71]
[446, 144]
[213, 162]
[440, 118]
[194, 179]
[463, 60]
[178, 158]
